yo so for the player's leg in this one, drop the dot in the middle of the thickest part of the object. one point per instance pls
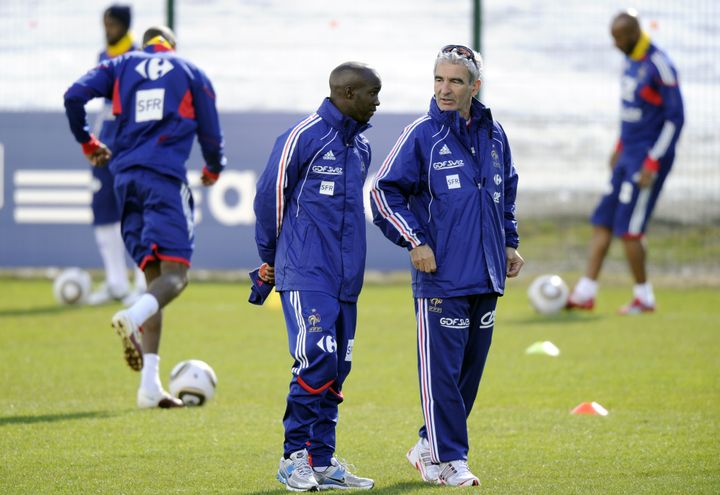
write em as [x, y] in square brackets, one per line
[310, 320]
[442, 339]
[632, 222]
[584, 293]
[106, 226]
[329, 471]
[482, 323]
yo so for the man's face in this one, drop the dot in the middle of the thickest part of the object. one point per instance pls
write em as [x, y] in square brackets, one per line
[114, 30]
[625, 38]
[366, 99]
[453, 90]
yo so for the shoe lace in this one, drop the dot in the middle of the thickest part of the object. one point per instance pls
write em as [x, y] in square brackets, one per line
[302, 466]
[345, 465]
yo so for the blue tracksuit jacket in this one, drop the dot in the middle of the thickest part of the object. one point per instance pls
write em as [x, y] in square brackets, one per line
[160, 102]
[452, 187]
[652, 107]
[309, 205]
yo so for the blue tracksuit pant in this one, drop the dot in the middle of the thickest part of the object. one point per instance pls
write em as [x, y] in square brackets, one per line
[454, 336]
[321, 332]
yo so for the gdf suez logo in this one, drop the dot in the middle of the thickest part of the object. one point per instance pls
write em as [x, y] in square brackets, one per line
[455, 323]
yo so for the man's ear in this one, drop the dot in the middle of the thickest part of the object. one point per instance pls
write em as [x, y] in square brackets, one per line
[476, 87]
[349, 92]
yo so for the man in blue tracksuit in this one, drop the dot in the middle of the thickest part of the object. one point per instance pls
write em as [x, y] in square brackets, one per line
[446, 192]
[310, 235]
[652, 117]
[160, 102]
[106, 213]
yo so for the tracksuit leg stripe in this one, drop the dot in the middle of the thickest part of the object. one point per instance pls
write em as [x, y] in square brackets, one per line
[299, 355]
[426, 395]
[639, 212]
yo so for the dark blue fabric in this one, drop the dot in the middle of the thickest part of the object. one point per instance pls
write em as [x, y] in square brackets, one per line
[156, 94]
[157, 216]
[321, 333]
[453, 188]
[104, 202]
[259, 289]
[454, 336]
[309, 205]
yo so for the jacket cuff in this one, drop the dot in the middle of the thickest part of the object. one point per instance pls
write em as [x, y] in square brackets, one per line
[651, 164]
[212, 175]
[91, 146]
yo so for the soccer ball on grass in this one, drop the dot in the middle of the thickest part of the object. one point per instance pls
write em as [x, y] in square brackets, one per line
[548, 294]
[72, 286]
[193, 382]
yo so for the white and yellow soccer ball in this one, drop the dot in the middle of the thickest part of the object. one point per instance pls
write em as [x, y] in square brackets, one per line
[72, 286]
[548, 294]
[193, 382]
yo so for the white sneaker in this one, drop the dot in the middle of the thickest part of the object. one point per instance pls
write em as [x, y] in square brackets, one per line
[150, 399]
[457, 473]
[105, 295]
[296, 474]
[338, 475]
[419, 457]
[130, 334]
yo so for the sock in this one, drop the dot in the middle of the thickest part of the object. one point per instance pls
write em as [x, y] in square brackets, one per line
[644, 293]
[320, 469]
[585, 289]
[112, 252]
[150, 379]
[143, 309]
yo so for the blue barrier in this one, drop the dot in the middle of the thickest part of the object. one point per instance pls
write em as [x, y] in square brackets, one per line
[45, 186]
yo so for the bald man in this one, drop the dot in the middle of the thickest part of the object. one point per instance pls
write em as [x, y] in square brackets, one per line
[310, 235]
[652, 117]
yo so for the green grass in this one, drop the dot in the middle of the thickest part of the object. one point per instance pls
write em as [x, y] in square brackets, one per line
[68, 424]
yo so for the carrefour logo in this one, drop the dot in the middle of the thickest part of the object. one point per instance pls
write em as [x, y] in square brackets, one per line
[54, 196]
[455, 323]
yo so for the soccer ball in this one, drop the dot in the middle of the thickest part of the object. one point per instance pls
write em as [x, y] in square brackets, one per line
[193, 382]
[72, 286]
[548, 294]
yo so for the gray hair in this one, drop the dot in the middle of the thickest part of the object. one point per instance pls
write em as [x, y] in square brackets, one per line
[452, 57]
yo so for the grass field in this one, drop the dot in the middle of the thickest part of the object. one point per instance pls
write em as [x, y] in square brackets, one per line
[68, 424]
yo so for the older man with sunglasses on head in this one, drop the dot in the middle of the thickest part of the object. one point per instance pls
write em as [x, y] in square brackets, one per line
[447, 193]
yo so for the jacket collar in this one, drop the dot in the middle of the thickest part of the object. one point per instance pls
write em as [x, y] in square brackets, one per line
[641, 47]
[125, 44]
[346, 126]
[480, 115]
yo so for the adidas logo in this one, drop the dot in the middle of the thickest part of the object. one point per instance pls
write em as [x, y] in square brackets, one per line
[445, 150]
[329, 156]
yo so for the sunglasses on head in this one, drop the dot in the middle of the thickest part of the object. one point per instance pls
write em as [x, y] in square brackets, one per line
[461, 50]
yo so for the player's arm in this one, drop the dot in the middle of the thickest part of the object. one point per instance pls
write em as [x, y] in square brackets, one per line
[666, 85]
[96, 83]
[209, 132]
[515, 262]
[273, 189]
[397, 180]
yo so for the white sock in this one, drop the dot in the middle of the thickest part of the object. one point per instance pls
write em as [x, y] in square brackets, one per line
[112, 252]
[585, 289]
[644, 292]
[150, 379]
[143, 308]
[140, 282]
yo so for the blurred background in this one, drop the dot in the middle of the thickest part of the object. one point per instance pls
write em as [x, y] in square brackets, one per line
[551, 78]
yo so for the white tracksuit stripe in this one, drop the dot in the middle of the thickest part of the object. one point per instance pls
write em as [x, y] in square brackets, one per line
[426, 395]
[300, 355]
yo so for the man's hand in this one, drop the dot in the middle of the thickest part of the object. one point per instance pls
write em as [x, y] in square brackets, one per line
[514, 262]
[645, 178]
[208, 178]
[267, 273]
[423, 259]
[96, 152]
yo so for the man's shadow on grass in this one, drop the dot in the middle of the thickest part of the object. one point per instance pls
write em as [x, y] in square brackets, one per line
[53, 418]
[39, 310]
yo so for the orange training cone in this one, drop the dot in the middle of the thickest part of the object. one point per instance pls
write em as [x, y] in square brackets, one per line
[590, 408]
